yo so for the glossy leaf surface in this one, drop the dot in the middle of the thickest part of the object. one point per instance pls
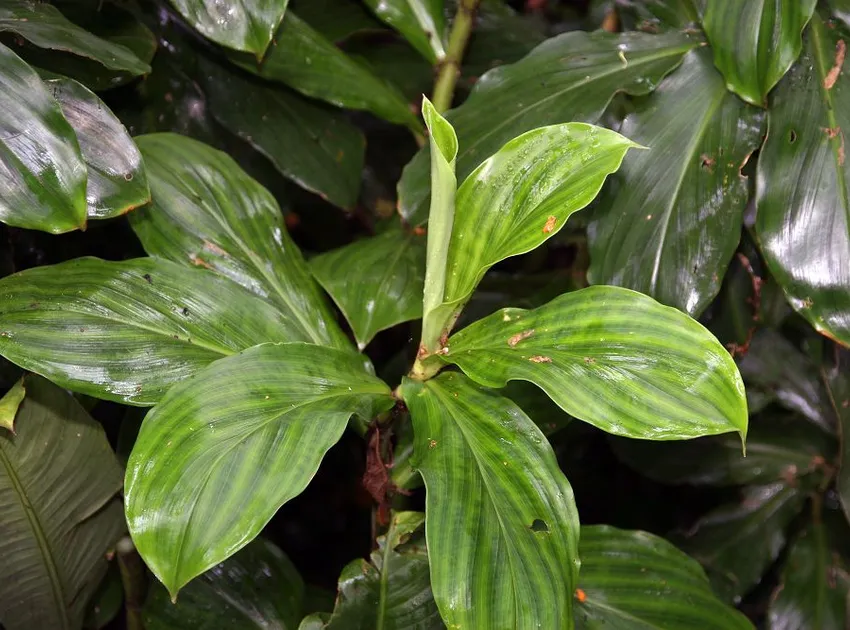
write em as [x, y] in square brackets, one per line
[632, 579]
[422, 23]
[207, 212]
[42, 174]
[313, 145]
[501, 524]
[258, 588]
[127, 331]
[836, 378]
[669, 223]
[376, 282]
[803, 222]
[248, 433]
[755, 42]
[247, 25]
[614, 358]
[572, 77]
[116, 177]
[58, 480]
[9, 405]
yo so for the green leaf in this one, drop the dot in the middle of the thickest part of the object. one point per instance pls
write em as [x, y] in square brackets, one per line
[837, 383]
[208, 212]
[802, 197]
[663, 14]
[572, 77]
[736, 543]
[256, 589]
[116, 177]
[632, 579]
[127, 331]
[44, 26]
[669, 223]
[58, 481]
[337, 20]
[422, 23]
[755, 42]
[307, 62]
[248, 433]
[247, 25]
[614, 358]
[10, 403]
[501, 524]
[500, 36]
[107, 601]
[376, 282]
[43, 184]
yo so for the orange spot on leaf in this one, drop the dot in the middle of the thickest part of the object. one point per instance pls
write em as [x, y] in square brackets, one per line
[832, 76]
[550, 224]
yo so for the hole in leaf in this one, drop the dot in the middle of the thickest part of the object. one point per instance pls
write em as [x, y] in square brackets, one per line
[539, 525]
[792, 137]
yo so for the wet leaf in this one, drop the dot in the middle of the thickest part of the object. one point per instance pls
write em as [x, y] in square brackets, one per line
[755, 42]
[58, 482]
[249, 433]
[337, 20]
[836, 378]
[654, 15]
[614, 358]
[422, 23]
[127, 331]
[495, 498]
[669, 223]
[9, 405]
[500, 36]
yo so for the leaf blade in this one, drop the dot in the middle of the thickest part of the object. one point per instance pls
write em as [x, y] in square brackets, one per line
[420, 21]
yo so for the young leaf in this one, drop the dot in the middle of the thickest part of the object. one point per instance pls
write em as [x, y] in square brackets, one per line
[222, 452]
[669, 222]
[208, 212]
[376, 282]
[10, 403]
[501, 524]
[422, 23]
[572, 77]
[42, 177]
[127, 331]
[802, 196]
[257, 588]
[755, 42]
[614, 358]
[632, 579]
[58, 480]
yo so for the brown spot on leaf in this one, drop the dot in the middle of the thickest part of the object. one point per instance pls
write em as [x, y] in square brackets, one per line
[832, 75]
[525, 334]
[589, 360]
[215, 249]
[550, 224]
[707, 162]
[419, 231]
[200, 262]
[432, 443]
[540, 359]
[148, 278]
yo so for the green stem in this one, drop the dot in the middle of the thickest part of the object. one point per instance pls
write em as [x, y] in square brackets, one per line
[133, 580]
[385, 575]
[444, 86]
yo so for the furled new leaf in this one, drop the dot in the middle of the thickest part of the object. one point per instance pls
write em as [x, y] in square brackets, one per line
[755, 42]
[208, 212]
[670, 221]
[632, 579]
[501, 524]
[58, 480]
[258, 588]
[802, 195]
[614, 358]
[422, 23]
[572, 77]
[247, 434]
[127, 331]
[10, 403]
[376, 282]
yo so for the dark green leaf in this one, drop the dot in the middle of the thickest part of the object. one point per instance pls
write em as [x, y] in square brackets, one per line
[337, 20]
[500, 36]
[755, 42]
[208, 212]
[614, 358]
[657, 14]
[127, 331]
[803, 221]
[248, 433]
[376, 282]
[670, 220]
[58, 480]
[107, 602]
[256, 589]
[836, 378]
[420, 21]
[9, 405]
[501, 524]
[42, 177]
[635, 580]
[571, 77]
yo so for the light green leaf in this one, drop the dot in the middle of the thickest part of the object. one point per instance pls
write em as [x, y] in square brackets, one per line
[614, 358]
[42, 174]
[501, 524]
[669, 223]
[208, 212]
[248, 433]
[755, 42]
[127, 331]
[258, 588]
[10, 403]
[376, 282]
[58, 481]
[422, 23]
[572, 77]
[634, 580]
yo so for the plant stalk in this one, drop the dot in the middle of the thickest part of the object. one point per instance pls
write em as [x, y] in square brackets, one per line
[449, 69]
[133, 580]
